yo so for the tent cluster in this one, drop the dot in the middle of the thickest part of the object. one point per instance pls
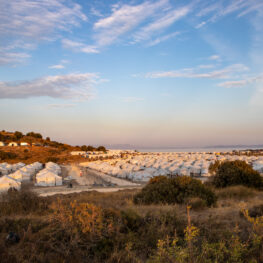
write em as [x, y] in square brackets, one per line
[145, 166]
[27, 172]
[6, 168]
[16, 174]
[49, 176]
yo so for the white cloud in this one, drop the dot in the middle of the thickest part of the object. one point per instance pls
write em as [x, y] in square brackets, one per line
[163, 38]
[24, 23]
[161, 23]
[223, 73]
[71, 86]
[59, 66]
[12, 57]
[242, 82]
[38, 19]
[214, 57]
[78, 46]
[221, 9]
[123, 19]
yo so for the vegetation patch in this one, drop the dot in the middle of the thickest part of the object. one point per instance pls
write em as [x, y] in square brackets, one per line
[231, 173]
[164, 190]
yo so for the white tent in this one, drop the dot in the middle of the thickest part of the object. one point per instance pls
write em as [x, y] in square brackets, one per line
[48, 178]
[7, 182]
[20, 176]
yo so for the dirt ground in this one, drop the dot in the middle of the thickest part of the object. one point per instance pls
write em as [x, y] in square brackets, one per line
[84, 179]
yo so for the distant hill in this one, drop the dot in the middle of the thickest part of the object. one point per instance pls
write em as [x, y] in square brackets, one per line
[34, 138]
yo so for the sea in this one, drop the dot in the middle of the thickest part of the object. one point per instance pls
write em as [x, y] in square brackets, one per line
[199, 149]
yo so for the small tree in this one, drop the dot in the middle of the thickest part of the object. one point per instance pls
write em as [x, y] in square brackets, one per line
[18, 135]
[101, 149]
[236, 173]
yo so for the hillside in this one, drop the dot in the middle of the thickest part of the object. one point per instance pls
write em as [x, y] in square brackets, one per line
[38, 149]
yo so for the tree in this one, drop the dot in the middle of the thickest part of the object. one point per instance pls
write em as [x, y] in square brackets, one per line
[48, 139]
[236, 173]
[101, 149]
[18, 135]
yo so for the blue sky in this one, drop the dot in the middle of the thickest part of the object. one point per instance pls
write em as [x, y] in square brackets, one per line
[145, 73]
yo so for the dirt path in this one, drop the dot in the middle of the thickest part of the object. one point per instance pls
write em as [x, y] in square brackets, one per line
[49, 191]
[87, 180]
[81, 176]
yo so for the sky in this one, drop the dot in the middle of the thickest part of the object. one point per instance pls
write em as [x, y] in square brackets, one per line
[152, 73]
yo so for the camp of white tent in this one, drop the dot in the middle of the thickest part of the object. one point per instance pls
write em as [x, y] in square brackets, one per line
[145, 166]
[12, 175]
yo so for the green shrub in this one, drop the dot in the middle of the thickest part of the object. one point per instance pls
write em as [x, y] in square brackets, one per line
[236, 173]
[162, 189]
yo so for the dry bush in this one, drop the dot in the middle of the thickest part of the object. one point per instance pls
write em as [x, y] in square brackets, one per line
[22, 202]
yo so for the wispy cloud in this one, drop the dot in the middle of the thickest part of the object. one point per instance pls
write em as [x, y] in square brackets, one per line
[223, 73]
[161, 23]
[214, 57]
[12, 57]
[242, 82]
[78, 46]
[163, 38]
[215, 10]
[123, 19]
[28, 22]
[59, 66]
[71, 86]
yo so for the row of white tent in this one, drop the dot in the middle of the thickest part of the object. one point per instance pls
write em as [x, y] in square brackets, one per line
[6, 168]
[49, 176]
[44, 177]
[144, 167]
[14, 180]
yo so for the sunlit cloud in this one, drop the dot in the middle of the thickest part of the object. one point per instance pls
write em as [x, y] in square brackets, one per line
[223, 73]
[25, 23]
[79, 46]
[71, 86]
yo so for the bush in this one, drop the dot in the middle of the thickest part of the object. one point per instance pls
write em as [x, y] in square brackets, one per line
[164, 190]
[7, 155]
[236, 173]
[22, 202]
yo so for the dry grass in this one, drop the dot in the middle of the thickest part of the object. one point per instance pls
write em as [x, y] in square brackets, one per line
[137, 231]
[41, 154]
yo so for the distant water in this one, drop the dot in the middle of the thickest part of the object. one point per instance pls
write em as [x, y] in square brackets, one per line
[200, 149]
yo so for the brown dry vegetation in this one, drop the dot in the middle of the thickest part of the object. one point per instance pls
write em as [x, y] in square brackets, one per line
[41, 154]
[108, 227]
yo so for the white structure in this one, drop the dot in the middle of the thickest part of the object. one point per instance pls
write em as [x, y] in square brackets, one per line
[2, 144]
[12, 144]
[144, 166]
[6, 183]
[48, 178]
[24, 144]
[20, 176]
